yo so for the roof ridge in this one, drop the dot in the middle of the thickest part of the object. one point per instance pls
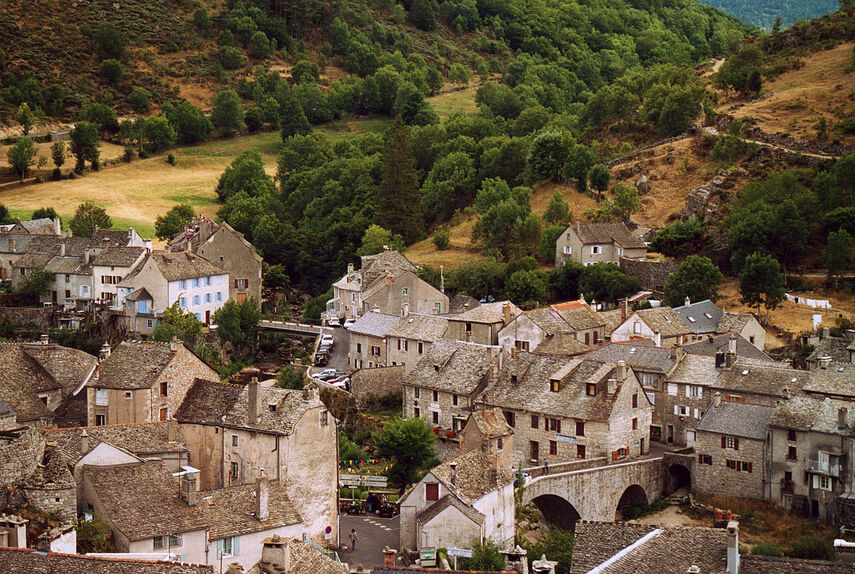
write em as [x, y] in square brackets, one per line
[55, 429]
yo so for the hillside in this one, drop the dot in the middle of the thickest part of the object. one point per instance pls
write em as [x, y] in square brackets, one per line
[762, 13]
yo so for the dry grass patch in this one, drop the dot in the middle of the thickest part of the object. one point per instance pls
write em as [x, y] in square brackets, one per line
[448, 103]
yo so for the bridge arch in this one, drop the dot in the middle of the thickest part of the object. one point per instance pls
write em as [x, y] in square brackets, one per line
[679, 476]
[557, 511]
[633, 495]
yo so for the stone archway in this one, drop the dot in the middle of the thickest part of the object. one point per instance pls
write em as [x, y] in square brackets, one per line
[557, 511]
[679, 476]
[634, 495]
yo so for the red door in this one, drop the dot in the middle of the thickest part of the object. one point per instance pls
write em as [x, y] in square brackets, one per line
[208, 317]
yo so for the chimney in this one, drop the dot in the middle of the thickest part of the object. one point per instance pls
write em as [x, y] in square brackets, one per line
[622, 370]
[188, 489]
[543, 566]
[657, 339]
[693, 569]
[262, 495]
[729, 360]
[687, 301]
[842, 413]
[62, 249]
[349, 268]
[172, 430]
[275, 556]
[824, 361]
[84, 442]
[442, 280]
[104, 352]
[57, 226]
[826, 333]
[733, 547]
[254, 398]
[389, 279]
[578, 227]
[677, 353]
[12, 245]
[506, 312]
[611, 386]
[86, 256]
[44, 339]
[731, 344]
[717, 399]
[785, 392]
[174, 345]
[453, 466]
[389, 557]
[624, 309]
[405, 309]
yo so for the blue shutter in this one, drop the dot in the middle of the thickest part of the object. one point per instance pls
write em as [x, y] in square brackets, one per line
[236, 546]
[219, 548]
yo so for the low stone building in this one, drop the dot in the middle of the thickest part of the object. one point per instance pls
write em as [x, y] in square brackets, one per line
[369, 343]
[733, 450]
[482, 324]
[370, 386]
[411, 338]
[745, 325]
[741, 379]
[284, 556]
[589, 243]
[489, 431]
[566, 328]
[661, 325]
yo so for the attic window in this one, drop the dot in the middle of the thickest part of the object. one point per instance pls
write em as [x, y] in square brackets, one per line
[514, 379]
[840, 369]
[795, 379]
[745, 372]
[272, 408]
[591, 389]
[691, 319]
[707, 315]
[554, 385]
[128, 394]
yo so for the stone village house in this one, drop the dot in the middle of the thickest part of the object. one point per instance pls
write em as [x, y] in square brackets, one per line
[482, 324]
[567, 328]
[589, 243]
[368, 340]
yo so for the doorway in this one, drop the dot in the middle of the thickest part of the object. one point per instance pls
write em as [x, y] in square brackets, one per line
[690, 438]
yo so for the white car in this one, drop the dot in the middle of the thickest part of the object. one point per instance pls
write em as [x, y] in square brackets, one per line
[328, 340]
[333, 322]
[349, 322]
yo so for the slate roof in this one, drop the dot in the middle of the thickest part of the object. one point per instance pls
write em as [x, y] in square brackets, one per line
[531, 391]
[737, 419]
[462, 302]
[446, 501]
[452, 366]
[487, 313]
[139, 295]
[30, 561]
[664, 320]
[548, 320]
[694, 370]
[701, 317]
[134, 365]
[69, 367]
[719, 344]
[491, 423]
[231, 511]
[207, 402]
[183, 265]
[118, 256]
[304, 558]
[5, 410]
[579, 315]
[128, 491]
[420, 327]
[68, 265]
[21, 241]
[640, 355]
[596, 542]
[139, 438]
[475, 475]
[562, 344]
[374, 266]
[112, 237]
[374, 324]
[838, 380]
[618, 232]
[760, 377]
[750, 564]
[52, 473]
[733, 322]
[611, 319]
[812, 413]
[32, 260]
[31, 224]
[22, 378]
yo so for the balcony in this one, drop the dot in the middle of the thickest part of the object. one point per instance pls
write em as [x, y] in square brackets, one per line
[827, 467]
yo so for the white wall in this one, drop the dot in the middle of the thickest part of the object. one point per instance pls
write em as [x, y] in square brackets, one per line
[498, 507]
[192, 549]
[251, 546]
[451, 528]
[219, 284]
[67, 543]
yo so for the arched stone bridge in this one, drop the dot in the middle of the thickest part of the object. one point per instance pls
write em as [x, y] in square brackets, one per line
[596, 490]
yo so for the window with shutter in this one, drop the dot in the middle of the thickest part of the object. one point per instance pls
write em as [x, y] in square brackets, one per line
[723, 442]
[735, 444]
[432, 491]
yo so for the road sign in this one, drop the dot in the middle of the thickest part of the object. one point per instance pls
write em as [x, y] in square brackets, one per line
[370, 480]
[462, 552]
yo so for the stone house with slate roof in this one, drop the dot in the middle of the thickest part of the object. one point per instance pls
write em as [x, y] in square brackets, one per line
[31, 561]
[836, 381]
[661, 324]
[443, 386]
[733, 450]
[109, 268]
[411, 338]
[831, 351]
[702, 317]
[464, 500]
[489, 431]
[759, 382]
[744, 324]
[483, 323]
[369, 344]
[589, 243]
[713, 344]
[142, 381]
[42, 226]
[567, 409]
[558, 329]
[234, 432]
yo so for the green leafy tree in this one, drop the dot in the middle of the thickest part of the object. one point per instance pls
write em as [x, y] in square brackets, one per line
[580, 160]
[245, 174]
[226, 112]
[87, 217]
[276, 279]
[377, 238]
[202, 21]
[840, 254]
[441, 238]
[555, 544]
[157, 134]
[564, 280]
[411, 106]
[36, 283]
[305, 71]
[547, 154]
[548, 236]
[399, 207]
[459, 73]
[230, 58]
[600, 176]
[812, 548]
[189, 122]
[25, 117]
[109, 41]
[95, 535]
[411, 445]
[112, 71]
[486, 558]
[237, 323]
[85, 144]
[259, 45]
[626, 201]
[5, 216]
[680, 239]
[139, 99]
[175, 323]
[291, 377]
[742, 71]
[102, 115]
[526, 287]
[313, 308]
[294, 120]
[22, 156]
[45, 213]
[844, 172]
[761, 282]
[173, 221]
[696, 278]
[557, 211]
[422, 15]
[58, 152]
[606, 283]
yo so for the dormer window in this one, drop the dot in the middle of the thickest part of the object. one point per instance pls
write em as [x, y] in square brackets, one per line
[554, 385]
[514, 379]
[636, 327]
[591, 389]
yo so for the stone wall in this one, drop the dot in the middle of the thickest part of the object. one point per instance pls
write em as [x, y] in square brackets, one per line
[19, 457]
[651, 274]
[717, 478]
[36, 317]
[369, 385]
[61, 501]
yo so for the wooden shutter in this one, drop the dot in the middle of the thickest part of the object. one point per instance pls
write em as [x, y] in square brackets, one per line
[723, 442]
[736, 443]
[432, 491]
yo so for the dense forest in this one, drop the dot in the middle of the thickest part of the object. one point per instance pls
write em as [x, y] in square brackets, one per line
[763, 13]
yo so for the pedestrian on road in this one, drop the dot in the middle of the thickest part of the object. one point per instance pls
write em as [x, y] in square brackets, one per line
[353, 538]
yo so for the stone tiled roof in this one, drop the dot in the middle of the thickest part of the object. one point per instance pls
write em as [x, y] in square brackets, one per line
[651, 274]
[452, 366]
[462, 302]
[68, 265]
[29, 561]
[69, 367]
[579, 315]
[701, 317]
[549, 320]
[487, 313]
[760, 377]
[32, 260]
[475, 475]
[304, 558]
[22, 378]
[183, 265]
[21, 240]
[606, 233]
[208, 402]
[112, 237]
[374, 266]
[750, 564]
[52, 473]
[374, 324]
[812, 413]
[562, 344]
[134, 365]
[719, 344]
[231, 511]
[128, 492]
[139, 295]
[5, 410]
[838, 380]
[491, 423]
[31, 224]
[71, 412]
[138, 438]
[733, 322]
[640, 355]
[611, 319]
[420, 327]
[737, 419]
[664, 320]
[446, 501]
[678, 548]
[118, 256]
[524, 383]
[694, 370]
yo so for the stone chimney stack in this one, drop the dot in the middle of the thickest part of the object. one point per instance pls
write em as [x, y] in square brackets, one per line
[86, 256]
[611, 386]
[453, 466]
[733, 547]
[172, 430]
[275, 556]
[624, 309]
[57, 226]
[44, 339]
[657, 339]
[687, 301]
[188, 489]
[842, 418]
[622, 371]
[349, 268]
[405, 309]
[731, 344]
[717, 399]
[262, 497]
[84, 442]
[254, 399]
[62, 249]
[506, 312]
[104, 352]
[543, 566]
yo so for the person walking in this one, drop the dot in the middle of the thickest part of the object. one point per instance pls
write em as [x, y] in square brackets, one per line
[353, 538]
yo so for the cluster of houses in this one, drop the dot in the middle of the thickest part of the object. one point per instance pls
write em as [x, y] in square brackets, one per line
[116, 271]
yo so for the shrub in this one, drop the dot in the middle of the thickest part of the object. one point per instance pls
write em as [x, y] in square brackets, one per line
[259, 45]
[766, 549]
[139, 99]
[128, 156]
[111, 70]
[109, 41]
[170, 158]
[811, 547]
[441, 238]
[230, 58]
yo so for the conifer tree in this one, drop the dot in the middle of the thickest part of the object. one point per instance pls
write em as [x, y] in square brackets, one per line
[399, 207]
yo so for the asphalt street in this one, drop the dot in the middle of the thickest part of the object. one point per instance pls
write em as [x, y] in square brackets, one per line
[374, 535]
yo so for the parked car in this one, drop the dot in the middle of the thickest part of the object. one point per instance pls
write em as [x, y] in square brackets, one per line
[321, 359]
[334, 322]
[326, 372]
[328, 340]
[349, 322]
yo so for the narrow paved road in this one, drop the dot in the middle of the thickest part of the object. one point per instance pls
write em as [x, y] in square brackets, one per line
[374, 535]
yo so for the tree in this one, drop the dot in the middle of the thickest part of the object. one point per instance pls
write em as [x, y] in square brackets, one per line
[111, 70]
[246, 173]
[547, 154]
[189, 122]
[557, 211]
[175, 323]
[526, 287]
[226, 113]
[291, 377]
[421, 15]
[305, 71]
[580, 160]
[5, 216]
[411, 106]
[276, 279]
[411, 445]
[680, 239]
[95, 535]
[109, 41]
[840, 254]
[555, 544]
[22, 156]
[696, 278]
[259, 45]
[237, 323]
[486, 558]
[606, 283]
[761, 282]
[202, 21]
[25, 117]
[58, 152]
[441, 238]
[85, 144]
[157, 134]
[36, 282]
[844, 171]
[45, 213]
[626, 201]
[139, 99]
[173, 221]
[102, 115]
[87, 217]
[376, 239]
[600, 177]
[565, 280]
[294, 120]
[742, 71]
[399, 206]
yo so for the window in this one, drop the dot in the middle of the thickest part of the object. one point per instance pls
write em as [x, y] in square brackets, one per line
[102, 397]
[499, 443]
[359, 347]
[694, 391]
[568, 250]
[672, 390]
[182, 284]
[681, 411]
[432, 491]
[421, 348]
[535, 421]
[195, 299]
[435, 396]
[791, 435]
[587, 338]
[620, 250]
[554, 425]
[207, 297]
[417, 391]
[436, 418]
[468, 327]
[591, 389]
[746, 467]
[636, 328]
[510, 418]
[235, 472]
[406, 345]
[417, 412]
[229, 546]
[68, 293]
[635, 401]
[405, 291]
[596, 337]
[553, 448]
[148, 323]
[164, 389]
[554, 385]
[128, 394]
[634, 424]
[437, 308]
[580, 428]
[195, 282]
[164, 413]
[824, 482]
[219, 296]
[454, 400]
[208, 281]
[596, 250]
[704, 459]
[649, 380]
[730, 442]
[375, 350]
[791, 453]
[182, 301]
[100, 420]
[580, 451]
[175, 541]
[534, 450]
[157, 543]
[521, 345]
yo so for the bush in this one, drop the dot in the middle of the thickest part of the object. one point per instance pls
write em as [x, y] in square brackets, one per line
[230, 58]
[111, 70]
[441, 238]
[259, 45]
[109, 41]
[766, 549]
[170, 158]
[812, 548]
[139, 99]
[128, 156]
